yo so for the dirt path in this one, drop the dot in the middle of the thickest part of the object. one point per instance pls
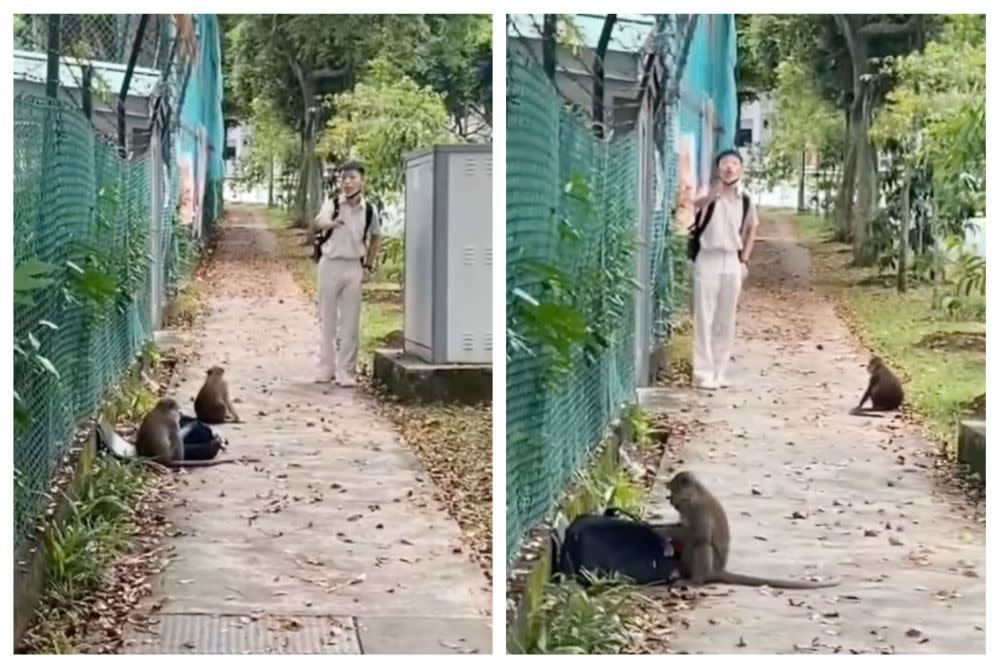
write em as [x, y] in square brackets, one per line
[331, 544]
[812, 491]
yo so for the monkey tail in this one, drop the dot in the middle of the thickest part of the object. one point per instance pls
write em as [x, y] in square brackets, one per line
[866, 413]
[192, 463]
[725, 577]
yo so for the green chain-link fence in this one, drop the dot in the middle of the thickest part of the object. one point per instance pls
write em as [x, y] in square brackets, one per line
[553, 426]
[83, 216]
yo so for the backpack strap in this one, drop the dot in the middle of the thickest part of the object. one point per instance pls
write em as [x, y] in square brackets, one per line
[746, 210]
[702, 218]
[369, 216]
[324, 235]
[614, 511]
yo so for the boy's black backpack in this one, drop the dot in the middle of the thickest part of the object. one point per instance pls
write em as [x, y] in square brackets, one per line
[200, 442]
[701, 222]
[615, 543]
[323, 235]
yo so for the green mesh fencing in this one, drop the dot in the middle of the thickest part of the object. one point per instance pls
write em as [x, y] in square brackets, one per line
[77, 204]
[552, 428]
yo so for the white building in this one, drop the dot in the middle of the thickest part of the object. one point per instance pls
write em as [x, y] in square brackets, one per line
[238, 141]
[755, 128]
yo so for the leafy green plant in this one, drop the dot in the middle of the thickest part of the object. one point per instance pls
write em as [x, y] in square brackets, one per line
[30, 276]
[971, 275]
[614, 489]
[385, 116]
[390, 263]
[573, 619]
[568, 312]
[132, 400]
[639, 423]
[80, 546]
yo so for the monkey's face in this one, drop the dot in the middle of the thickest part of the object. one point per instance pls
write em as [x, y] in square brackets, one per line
[683, 489]
[874, 363]
[216, 371]
[171, 408]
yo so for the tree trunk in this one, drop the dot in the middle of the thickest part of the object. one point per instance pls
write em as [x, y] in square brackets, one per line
[802, 184]
[599, 55]
[549, 23]
[308, 183]
[863, 172]
[300, 186]
[866, 176]
[270, 183]
[844, 203]
[904, 233]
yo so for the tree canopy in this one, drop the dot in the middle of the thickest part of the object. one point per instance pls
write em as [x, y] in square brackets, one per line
[368, 124]
[300, 69]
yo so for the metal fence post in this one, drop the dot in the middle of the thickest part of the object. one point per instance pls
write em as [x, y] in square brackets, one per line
[127, 81]
[644, 295]
[52, 56]
[156, 225]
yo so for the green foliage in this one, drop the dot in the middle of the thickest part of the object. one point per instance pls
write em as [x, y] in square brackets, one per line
[275, 56]
[937, 113]
[30, 277]
[803, 122]
[131, 401]
[574, 312]
[384, 117]
[80, 546]
[639, 423]
[103, 271]
[455, 60]
[390, 260]
[273, 144]
[763, 41]
[572, 619]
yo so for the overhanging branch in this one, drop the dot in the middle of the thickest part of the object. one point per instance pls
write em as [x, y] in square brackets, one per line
[886, 29]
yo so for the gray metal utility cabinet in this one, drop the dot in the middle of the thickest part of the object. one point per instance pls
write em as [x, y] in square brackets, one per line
[448, 254]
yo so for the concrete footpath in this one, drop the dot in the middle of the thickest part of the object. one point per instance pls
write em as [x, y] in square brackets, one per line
[810, 490]
[332, 543]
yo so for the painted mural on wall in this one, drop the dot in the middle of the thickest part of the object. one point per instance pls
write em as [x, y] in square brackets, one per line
[185, 168]
[686, 182]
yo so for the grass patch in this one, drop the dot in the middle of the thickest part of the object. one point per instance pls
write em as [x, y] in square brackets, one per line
[131, 402]
[81, 545]
[92, 518]
[680, 347]
[567, 618]
[928, 347]
[91, 525]
[381, 325]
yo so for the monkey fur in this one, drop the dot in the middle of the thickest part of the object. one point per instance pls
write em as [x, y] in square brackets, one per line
[704, 531]
[884, 389]
[212, 403]
[159, 439]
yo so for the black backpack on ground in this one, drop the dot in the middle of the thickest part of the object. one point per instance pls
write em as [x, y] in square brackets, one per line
[615, 543]
[201, 443]
[701, 222]
[324, 235]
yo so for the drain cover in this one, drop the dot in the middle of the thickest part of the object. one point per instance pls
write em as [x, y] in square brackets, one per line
[236, 634]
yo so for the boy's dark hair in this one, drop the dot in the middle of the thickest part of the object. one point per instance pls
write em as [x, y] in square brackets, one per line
[352, 166]
[728, 151]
